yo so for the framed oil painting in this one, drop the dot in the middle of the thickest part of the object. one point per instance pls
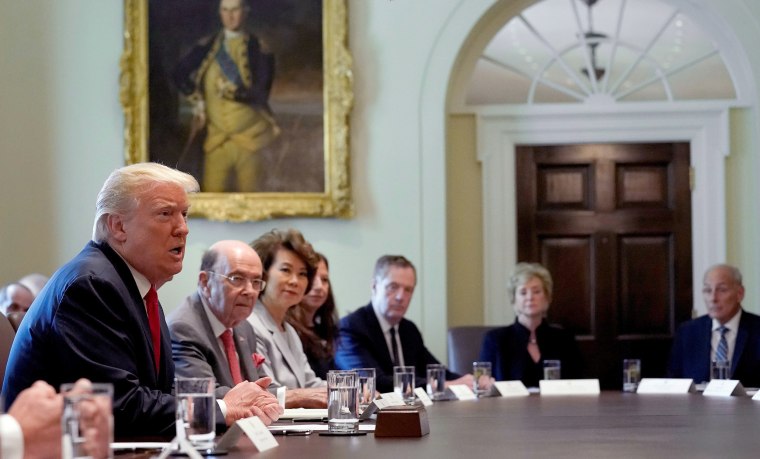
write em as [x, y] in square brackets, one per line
[252, 97]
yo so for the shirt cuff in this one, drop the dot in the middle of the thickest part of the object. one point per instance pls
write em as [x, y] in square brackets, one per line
[281, 396]
[11, 438]
[223, 407]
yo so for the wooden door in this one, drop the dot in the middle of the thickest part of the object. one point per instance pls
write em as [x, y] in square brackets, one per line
[612, 223]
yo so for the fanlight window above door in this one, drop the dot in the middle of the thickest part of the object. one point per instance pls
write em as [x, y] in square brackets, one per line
[600, 51]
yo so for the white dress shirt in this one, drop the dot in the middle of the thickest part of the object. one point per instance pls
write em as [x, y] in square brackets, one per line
[386, 327]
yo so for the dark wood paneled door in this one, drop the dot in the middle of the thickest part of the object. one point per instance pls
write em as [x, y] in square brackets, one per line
[612, 222]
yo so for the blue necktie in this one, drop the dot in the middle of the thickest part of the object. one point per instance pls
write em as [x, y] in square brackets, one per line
[721, 353]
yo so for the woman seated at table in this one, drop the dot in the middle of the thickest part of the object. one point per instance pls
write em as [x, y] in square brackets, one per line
[289, 264]
[517, 352]
[315, 319]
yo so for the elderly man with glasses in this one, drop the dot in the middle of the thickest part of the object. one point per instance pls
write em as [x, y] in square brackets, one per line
[210, 336]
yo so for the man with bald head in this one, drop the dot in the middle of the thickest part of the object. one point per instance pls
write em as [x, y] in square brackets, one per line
[210, 336]
[15, 297]
[726, 332]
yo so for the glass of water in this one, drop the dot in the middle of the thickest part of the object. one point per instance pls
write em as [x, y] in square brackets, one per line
[366, 378]
[436, 381]
[631, 374]
[720, 369]
[552, 369]
[196, 409]
[78, 418]
[342, 401]
[403, 383]
[481, 378]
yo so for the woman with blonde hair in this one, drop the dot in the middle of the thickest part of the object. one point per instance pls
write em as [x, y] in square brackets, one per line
[517, 352]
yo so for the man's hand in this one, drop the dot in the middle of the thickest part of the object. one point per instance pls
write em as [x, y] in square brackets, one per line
[252, 399]
[312, 397]
[484, 381]
[38, 411]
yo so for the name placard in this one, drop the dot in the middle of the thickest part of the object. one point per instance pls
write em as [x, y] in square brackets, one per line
[256, 431]
[756, 396]
[724, 388]
[511, 388]
[665, 386]
[569, 386]
[461, 392]
[423, 396]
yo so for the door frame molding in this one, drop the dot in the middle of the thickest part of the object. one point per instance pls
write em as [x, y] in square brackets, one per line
[705, 125]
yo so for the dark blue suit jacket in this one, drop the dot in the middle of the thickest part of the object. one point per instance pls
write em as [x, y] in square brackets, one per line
[690, 356]
[90, 321]
[507, 350]
[362, 345]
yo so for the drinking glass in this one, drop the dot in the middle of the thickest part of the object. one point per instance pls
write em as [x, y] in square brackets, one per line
[366, 378]
[552, 369]
[403, 383]
[196, 409]
[720, 369]
[75, 420]
[342, 399]
[631, 374]
[436, 381]
[481, 378]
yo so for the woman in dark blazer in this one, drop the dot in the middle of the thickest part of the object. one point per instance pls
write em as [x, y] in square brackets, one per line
[517, 352]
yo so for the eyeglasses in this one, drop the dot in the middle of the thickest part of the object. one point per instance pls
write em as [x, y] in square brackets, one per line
[241, 281]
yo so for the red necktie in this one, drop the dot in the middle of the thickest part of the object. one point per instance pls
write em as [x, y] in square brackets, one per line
[229, 349]
[151, 304]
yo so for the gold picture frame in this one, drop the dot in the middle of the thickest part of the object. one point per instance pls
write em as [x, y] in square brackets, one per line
[337, 99]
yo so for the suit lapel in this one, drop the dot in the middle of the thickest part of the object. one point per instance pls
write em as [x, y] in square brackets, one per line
[281, 341]
[245, 350]
[742, 334]
[377, 336]
[213, 343]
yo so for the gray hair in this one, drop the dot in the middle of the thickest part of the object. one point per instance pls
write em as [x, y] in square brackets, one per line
[733, 271]
[121, 191]
[525, 271]
[385, 262]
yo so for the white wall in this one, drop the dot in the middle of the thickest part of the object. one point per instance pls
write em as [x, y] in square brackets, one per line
[60, 136]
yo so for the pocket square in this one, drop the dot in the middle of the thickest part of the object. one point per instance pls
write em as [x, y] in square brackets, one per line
[258, 359]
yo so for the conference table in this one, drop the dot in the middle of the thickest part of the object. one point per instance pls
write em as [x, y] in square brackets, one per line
[610, 425]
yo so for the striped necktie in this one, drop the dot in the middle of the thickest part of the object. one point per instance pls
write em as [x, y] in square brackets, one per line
[721, 353]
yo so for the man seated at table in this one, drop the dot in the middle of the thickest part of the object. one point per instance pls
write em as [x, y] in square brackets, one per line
[99, 317]
[210, 336]
[378, 336]
[726, 332]
[14, 298]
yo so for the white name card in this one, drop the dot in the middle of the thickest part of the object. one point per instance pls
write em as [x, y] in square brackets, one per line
[461, 392]
[389, 399]
[511, 388]
[724, 388]
[569, 386]
[665, 386]
[256, 431]
[756, 396]
[423, 396]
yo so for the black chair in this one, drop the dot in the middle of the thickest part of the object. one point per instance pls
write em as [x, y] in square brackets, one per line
[7, 333]
[464, 346]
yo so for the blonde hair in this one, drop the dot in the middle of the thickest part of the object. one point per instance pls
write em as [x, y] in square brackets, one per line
[525, 271]
[121, 191]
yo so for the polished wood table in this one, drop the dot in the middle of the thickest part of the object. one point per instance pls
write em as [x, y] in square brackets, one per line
[612, 425]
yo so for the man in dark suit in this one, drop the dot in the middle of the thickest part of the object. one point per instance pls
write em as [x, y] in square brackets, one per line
[727, 332]
[210, 336]
[99, 316]
[377, 335]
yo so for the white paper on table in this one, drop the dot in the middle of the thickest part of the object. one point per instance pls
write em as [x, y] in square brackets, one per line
[318, 427]
[254, 429]
[316, 414]
[133, 445]
[511, 388]
[423, 396]
[461, 392]
[569, 386]
[389, 399]
[724, 388]
[665, 386]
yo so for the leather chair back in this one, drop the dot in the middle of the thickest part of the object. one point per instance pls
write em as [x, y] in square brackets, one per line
[464, 346]
[15, 318]
[7, 333]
